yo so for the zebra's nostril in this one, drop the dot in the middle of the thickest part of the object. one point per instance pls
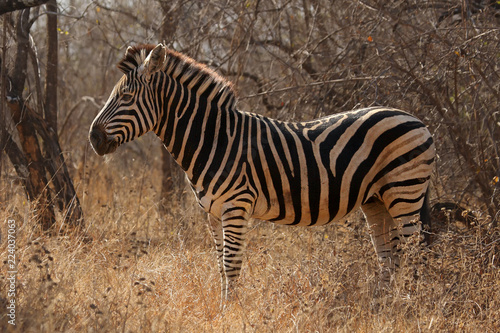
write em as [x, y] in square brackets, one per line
[97, 137]
[101, 142]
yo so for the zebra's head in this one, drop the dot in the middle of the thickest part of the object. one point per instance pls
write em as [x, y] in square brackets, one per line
[131, 110]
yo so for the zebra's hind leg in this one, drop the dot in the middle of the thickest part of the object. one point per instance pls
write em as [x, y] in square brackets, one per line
[216, 231]
[384, 235]
[410, 217]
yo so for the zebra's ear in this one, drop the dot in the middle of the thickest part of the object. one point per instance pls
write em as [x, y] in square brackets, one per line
[128, 51]
[130, 60]
[155, 60]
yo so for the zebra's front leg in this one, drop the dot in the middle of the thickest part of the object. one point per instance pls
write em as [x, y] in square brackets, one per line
[234, 228]
[216, 231]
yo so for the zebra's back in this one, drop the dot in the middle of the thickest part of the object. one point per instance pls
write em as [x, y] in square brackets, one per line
[312, 173]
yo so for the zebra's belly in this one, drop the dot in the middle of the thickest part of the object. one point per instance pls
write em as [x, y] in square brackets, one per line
[301, 214]
[280, 211]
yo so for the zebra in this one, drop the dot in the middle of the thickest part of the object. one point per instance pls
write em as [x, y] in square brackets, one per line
[243, 165]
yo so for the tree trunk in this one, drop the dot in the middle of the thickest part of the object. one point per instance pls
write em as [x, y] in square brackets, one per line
[66, 197]
[50, 114]
[31, 165]
[37, 189]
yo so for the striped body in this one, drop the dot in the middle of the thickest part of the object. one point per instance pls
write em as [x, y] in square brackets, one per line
[311, 173]
[242, 165]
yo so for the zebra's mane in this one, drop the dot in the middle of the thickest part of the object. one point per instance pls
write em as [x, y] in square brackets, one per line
[177, 64]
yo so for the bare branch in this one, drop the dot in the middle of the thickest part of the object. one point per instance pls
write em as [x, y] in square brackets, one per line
[13, 5]
[318, 83]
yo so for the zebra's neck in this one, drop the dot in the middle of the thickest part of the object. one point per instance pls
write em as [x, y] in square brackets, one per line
[195, 119]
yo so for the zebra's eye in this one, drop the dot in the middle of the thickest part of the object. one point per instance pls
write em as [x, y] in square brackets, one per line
[127, 97]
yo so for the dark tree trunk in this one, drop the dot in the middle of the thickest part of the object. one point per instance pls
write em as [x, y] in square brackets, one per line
[37, 189]
[52, 60]
[30, 164]
[66, 197]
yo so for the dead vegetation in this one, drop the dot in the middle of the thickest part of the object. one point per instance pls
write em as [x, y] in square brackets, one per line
[133, 270]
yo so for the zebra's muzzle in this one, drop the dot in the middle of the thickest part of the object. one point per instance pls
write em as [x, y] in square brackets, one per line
[100, 141]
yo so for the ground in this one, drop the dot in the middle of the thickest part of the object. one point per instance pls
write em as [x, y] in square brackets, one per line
[134, 269]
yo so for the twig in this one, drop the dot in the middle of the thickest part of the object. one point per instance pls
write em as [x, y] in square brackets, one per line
[315, 84]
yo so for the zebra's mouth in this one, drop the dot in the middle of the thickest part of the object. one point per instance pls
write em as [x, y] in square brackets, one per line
[101, 143]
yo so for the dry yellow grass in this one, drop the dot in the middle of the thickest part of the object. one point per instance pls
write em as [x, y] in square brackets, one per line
[132, 270]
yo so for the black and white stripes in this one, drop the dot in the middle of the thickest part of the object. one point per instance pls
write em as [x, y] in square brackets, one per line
[244, 165]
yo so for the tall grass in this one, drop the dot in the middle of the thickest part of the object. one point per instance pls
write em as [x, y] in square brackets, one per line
[132, 270]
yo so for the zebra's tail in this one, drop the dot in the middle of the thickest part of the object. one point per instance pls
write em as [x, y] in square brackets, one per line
[425, 218]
